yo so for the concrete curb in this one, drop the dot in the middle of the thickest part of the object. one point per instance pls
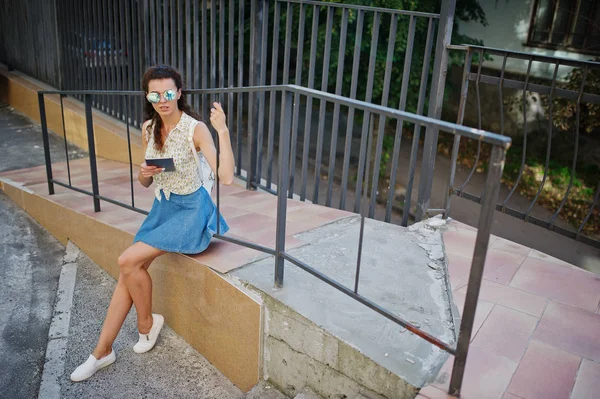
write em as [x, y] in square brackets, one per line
[58, 336]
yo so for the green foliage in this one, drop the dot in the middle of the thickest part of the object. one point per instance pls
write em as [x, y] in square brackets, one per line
[466, 10]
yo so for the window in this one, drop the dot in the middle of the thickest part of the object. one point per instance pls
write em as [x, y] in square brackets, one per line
[572, 25]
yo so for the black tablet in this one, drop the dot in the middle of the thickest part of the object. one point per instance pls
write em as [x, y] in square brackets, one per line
[166, 163]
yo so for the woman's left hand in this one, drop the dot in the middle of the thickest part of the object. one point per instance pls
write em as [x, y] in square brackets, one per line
[217, 118]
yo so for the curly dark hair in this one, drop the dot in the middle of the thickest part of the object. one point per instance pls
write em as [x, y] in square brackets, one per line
[163, 72]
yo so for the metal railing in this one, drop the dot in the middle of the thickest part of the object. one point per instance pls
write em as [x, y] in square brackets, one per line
[288, 94]
[520, 86]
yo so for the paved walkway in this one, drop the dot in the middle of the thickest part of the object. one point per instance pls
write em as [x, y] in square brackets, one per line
[538, 321]
[537, 325]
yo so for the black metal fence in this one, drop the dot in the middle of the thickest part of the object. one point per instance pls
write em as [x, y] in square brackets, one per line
[377, 55]
[29, 39]
[566, 103]
[288, 94]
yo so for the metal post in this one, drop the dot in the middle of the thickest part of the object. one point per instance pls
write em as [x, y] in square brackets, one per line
[92, 150]
[46, 143]
[255, 80]
[436, 100]
[282, 186]
[490, 196]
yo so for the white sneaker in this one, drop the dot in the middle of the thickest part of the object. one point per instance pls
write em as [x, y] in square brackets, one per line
[147, 341]
[91, 365]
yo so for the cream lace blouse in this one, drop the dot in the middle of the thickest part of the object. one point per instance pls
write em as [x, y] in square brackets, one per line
[186, 178]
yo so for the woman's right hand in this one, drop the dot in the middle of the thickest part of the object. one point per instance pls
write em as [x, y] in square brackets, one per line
[149, 171]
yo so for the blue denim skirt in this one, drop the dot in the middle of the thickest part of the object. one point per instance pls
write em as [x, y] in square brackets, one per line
[183, 223]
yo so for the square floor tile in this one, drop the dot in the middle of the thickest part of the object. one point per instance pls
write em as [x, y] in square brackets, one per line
[545, 372]
[487, 375]
[506, 332]
[587, 384]
[483, 310]
[511, 298]
[571, 329]
[547, 279]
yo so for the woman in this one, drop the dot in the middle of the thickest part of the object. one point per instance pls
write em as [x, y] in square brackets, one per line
[183, 217]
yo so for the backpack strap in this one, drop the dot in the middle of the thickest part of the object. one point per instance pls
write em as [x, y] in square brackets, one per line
[196, 156]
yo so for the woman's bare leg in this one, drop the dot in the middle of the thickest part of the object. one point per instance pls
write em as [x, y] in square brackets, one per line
[138, 281]
[119, 307]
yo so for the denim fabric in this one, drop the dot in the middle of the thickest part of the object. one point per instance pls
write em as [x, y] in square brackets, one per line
[183, 223]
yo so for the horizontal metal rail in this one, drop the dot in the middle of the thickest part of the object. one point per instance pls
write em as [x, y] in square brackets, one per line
[370, 304]
[362, 8]
[476, 134]
[289, 94]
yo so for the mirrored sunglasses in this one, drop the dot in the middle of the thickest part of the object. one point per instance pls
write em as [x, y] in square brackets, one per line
[168, 95]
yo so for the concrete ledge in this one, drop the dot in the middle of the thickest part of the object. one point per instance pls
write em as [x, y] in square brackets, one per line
[202, 306]
[299, 354]
[20, 92]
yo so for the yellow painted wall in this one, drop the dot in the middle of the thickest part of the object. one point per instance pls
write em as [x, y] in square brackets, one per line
[214, 316]
[20, 92]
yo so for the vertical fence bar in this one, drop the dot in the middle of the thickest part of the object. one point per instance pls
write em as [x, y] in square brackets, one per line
[140, 56]
[500, 94]
[309, 100]
[490, 196]
[522, 168]
[196, 53]
[255, 76]
[436, 99]
[287, 51]
[213, 47]
[273, 94]
[587, 216]
[400, 122]
[323, 103]
[169, 34]
[62, 113]
[240, 97]
[152, 32]
[163, 32]
[68, 51]
[362, 202]
[478, 100]
[576, 150]
[297, 81]
[119, 52]
[113, 57]
[417, 129]
[78, 57]
[351, 110]
[230, 73]
[189, 74]
[339, 83]
[284, 154]
[549, 146]
[262, 81]
[367, 118]
[92, 150]
[127, 56]
[102, 46]
[181, 47]
[288, 43]
[129, 150]
[46, 142]
[464, 90]
[204, 60]
[96, 79]
[221, 47]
